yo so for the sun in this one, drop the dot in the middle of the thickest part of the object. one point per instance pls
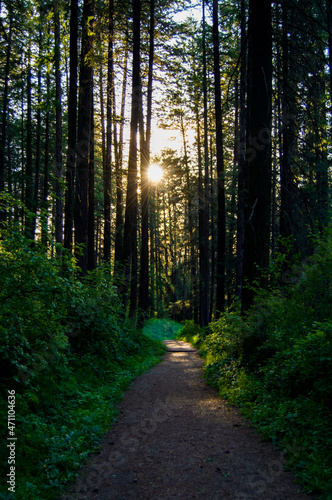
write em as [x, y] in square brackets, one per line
[155, 172]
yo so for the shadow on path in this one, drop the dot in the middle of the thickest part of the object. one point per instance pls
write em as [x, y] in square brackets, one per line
[175, 439]
[178, 346]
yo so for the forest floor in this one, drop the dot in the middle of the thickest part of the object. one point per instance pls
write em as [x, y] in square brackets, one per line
[175, 439]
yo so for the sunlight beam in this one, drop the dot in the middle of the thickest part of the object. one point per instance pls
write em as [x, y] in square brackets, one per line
[155, 172]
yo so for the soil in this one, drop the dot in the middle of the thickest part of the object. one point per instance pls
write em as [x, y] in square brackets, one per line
[175, 439]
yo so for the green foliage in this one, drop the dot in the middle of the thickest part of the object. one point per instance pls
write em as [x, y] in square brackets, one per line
[179, 310]
[33, 303]
[276, 363]
[67, 356]
[192, 333]
[94, 313]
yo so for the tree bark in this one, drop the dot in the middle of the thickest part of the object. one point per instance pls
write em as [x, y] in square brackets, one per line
[72, 126]
[29, 171]
[83, 140]
[46, 165]
[204, 208]
[118, 245]
[241, 161]
[5, 109]
[288, 137]
[109, 120]
[329, 29]
[38, 138]
[192, 250]
[91, 195]
[130, 227]
[143, 302]
[221, 223]
[197, 293]
[58, 132]
[258, 152]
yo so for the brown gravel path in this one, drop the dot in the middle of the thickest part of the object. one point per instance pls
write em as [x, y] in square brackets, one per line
[175, 439]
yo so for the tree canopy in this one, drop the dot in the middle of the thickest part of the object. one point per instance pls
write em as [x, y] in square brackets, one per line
[201, 80]
[231, 99]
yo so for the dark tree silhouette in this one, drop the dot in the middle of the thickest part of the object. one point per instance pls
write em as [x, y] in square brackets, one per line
[258, 152]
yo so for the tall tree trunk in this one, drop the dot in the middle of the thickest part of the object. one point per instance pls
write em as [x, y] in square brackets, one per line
[91, 195]
[29, 202]
[46, 164]
[329, 29]
[38, 138]
[204, 205]
[274, 196]
[118, 244]
[130, 228]
[214, 235]
[143, 302]
[321, 160]
[20, 213]
[221, 224]
[109, 120]
[288, 138]
[5, 110]
[197, 293]
[192, 256]
[83, 139]
[134, 276]
[232, 208]
[242, 149]
[58, 132]
[258, 153]
[152, 224]
[102, 116]
[72, 126]
[143, 296]
[159, 287]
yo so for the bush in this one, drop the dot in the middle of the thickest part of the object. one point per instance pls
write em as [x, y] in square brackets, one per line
[68, 357]
[276, 363]
[180, 310]
[192, 333]
[33, 300]
[305, 367]
[94, 315]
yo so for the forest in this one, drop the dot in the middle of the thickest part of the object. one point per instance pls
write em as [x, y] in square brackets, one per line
[163, 160]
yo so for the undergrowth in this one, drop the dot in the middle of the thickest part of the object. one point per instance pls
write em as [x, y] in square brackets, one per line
[66, 356]
[275, 363]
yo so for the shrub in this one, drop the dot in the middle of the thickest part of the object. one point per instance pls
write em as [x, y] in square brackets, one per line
[276, 363]
[67, 355]
[180, 310]
[94, 315]
[33, 304]
[305, 367]
[191, 332]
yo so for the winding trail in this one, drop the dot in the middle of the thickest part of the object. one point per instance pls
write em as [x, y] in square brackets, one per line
[175, 439]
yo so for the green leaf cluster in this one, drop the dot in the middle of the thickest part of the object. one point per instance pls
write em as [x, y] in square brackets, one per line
[66, 353]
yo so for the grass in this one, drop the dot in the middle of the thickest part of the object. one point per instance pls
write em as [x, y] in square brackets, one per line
[60, 421]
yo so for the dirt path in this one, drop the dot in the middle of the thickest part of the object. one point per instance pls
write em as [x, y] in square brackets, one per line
[175, 439]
